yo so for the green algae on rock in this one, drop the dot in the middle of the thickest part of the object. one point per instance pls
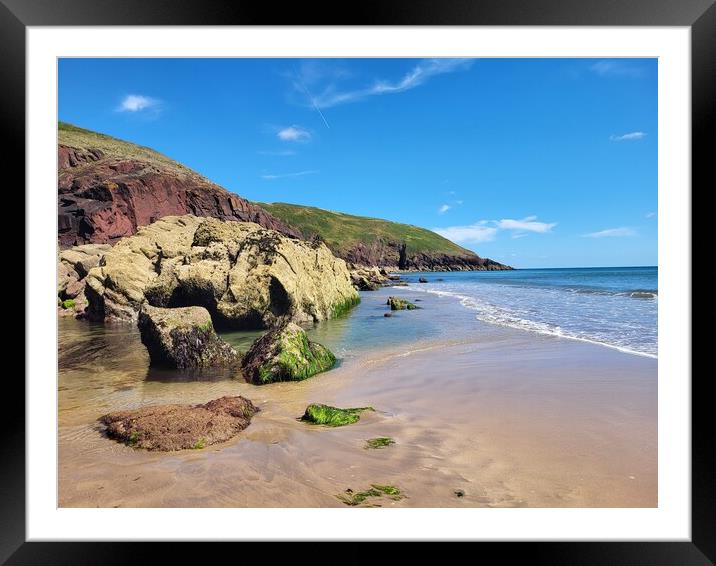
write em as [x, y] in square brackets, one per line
[398, 304]
[318, 413]
[379, 442]
[354, 499]
[285, 354]
[183, 338]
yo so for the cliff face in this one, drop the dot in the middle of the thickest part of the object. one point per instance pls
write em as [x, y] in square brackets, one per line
[104, 196]
[395, 255]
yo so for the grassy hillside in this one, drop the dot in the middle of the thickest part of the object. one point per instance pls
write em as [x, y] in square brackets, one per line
[343, 231]
[73, 136]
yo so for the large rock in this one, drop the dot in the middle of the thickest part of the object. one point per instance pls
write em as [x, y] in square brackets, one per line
[183, 338]
[285, 354]
[176, 427]
[245, 275]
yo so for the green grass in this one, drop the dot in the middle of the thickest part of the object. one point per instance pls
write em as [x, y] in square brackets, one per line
[342, 232]
[74, 136]
[379, 442]
[332, 416]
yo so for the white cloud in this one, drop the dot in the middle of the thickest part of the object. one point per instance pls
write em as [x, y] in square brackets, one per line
[629, 136]
[137, 103]
[418, 75]
[444, 208]
[474, 233]
[650, 214]
[293, 133]
[617, 69]
[271, 176]
[611, 233]
[528, 224]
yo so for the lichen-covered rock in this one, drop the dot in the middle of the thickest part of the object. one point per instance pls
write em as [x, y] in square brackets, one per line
[398, 304]
[245, 275]
[177, 427]
[285, 354]
[183, 338]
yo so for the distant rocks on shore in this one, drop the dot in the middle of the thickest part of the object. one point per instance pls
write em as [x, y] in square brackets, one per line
[246, 276]
[178, 427]
[183, 338]
[398, 304]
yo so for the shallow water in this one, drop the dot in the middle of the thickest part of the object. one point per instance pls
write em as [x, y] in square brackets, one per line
[510, 417]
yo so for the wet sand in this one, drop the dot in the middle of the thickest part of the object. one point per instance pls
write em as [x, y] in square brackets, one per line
[510, 418]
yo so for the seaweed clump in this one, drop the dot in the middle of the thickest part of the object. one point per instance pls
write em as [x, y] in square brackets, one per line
[317, 413]
[353, 499]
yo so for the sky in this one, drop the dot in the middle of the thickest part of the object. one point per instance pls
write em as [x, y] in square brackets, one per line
[530, 162]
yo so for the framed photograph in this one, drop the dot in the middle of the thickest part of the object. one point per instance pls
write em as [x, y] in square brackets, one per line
[423, 275]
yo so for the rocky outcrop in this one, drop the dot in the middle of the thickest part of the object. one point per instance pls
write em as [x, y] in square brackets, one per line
[72, 268]
[285, 354]
[183, 338]
[394, 256]
[244, 275]
[105, 197]
[177, 427]
[369, 278]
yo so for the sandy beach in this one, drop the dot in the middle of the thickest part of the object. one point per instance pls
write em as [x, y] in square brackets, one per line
[506, 418]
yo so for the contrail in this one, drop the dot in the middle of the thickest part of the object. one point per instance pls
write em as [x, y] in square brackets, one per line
[310, 97]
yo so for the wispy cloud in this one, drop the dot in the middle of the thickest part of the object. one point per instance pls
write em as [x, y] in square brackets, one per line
[612, 233]
[272, 176]
[618, 69]
[332, 95]
[528, 224]
[631, 136]
[279, 153]
[650, 215]
[444, 208]
[137, 103]
[293, 133]
[473, 234]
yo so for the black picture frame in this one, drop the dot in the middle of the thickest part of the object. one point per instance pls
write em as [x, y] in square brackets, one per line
[699, 15]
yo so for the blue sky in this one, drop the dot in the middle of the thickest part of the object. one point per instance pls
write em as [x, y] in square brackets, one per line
[531, 162]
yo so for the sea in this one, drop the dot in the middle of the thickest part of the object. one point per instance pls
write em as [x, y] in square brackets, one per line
[615, 307]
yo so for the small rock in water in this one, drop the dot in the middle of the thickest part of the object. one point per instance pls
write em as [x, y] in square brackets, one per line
[422, 280]
[388, 314]
[459, 493]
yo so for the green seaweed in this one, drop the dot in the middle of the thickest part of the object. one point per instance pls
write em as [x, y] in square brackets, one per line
[133, 438]
[317, 413]
[351, 498]
[199, 444]
[68, 304]
[379, 442]
[344, 307]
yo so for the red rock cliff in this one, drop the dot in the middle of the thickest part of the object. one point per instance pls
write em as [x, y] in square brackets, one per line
[103, 197]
